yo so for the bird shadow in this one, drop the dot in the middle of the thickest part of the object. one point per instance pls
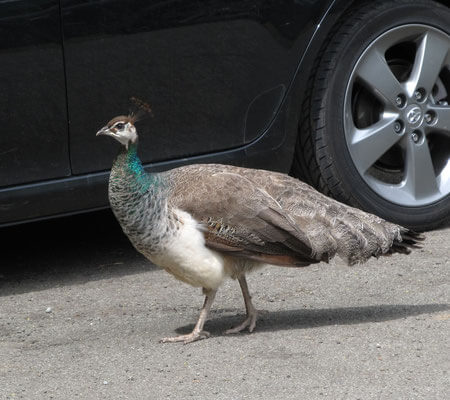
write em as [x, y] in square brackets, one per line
[66, 251]
[313, 318]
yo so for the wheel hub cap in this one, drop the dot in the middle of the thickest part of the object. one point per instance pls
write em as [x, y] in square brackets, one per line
[414, 114]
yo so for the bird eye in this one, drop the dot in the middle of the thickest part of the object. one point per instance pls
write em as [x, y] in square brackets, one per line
[120, 126]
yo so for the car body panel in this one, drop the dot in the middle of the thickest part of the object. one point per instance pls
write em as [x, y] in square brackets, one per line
[214, 72]
[255, 127]
[34, 135]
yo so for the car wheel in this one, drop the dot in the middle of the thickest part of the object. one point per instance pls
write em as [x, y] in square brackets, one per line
[375, 127]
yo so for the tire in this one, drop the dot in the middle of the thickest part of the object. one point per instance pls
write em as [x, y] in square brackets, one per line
[370, 135]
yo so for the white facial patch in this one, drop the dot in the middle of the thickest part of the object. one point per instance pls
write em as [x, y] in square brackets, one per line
[125, 135]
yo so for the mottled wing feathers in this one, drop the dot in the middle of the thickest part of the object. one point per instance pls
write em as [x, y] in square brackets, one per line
[261, 214]
[239, 217]
[263, 241]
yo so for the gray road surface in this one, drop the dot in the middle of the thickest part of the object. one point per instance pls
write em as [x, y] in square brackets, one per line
[81, 314]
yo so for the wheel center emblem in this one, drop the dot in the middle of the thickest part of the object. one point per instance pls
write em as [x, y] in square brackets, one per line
[414, 115]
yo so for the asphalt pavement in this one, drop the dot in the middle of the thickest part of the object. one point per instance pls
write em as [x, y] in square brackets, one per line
[81, 315]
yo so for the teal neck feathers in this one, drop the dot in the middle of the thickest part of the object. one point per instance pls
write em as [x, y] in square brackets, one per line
[139, 200]
[133, 165]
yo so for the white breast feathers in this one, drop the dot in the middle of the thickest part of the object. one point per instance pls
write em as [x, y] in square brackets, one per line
[187, 258]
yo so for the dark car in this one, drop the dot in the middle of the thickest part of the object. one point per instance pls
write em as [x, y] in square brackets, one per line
[350, 96]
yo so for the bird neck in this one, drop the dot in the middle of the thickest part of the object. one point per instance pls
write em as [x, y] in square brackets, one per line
[133, 162]
[128, 166]
[138, 199]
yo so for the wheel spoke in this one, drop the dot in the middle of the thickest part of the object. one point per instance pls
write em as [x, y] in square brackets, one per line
[443, 119]
[378, 77]
[420, 179]
[430, 56]
[368, 145]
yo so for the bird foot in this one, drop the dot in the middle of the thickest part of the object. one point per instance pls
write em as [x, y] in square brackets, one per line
[189, 338]
[249, 322]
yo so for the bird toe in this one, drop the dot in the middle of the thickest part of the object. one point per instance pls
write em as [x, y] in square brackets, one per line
[189, 338]
[249, 322]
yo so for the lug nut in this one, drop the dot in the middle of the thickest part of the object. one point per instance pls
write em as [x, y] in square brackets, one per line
[398, 126]
[419, 94]
[415, 136]
[428, 118]
[400, 100]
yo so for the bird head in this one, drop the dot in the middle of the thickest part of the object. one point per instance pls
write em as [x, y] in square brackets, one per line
[122, 129]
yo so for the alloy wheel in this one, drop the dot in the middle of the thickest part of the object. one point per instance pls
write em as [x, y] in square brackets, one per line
[397, 115]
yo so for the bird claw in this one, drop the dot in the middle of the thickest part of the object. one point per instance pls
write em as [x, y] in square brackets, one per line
[189, 338]
[249, 322]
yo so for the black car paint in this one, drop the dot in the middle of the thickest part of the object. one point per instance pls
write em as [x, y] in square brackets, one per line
[34, 132]
[254, 125]
[207, 68]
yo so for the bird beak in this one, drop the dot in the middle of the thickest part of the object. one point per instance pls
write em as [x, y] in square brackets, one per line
[103, 131]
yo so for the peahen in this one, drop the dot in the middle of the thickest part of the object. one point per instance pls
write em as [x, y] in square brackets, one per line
[203, 223]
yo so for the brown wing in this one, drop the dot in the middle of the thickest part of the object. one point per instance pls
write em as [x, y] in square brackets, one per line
[240, 217]
[267, 215]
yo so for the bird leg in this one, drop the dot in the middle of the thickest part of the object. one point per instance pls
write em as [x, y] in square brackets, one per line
[197, 333]
[252, 313]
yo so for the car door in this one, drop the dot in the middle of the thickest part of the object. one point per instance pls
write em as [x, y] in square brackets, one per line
[34, 137]
[213, 72]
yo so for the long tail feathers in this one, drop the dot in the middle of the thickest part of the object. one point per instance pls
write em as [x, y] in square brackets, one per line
[409, 240]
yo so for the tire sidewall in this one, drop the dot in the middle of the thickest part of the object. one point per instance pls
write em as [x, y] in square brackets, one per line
[365, 32]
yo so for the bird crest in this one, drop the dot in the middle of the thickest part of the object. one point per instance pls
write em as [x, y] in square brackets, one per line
[142, 110]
